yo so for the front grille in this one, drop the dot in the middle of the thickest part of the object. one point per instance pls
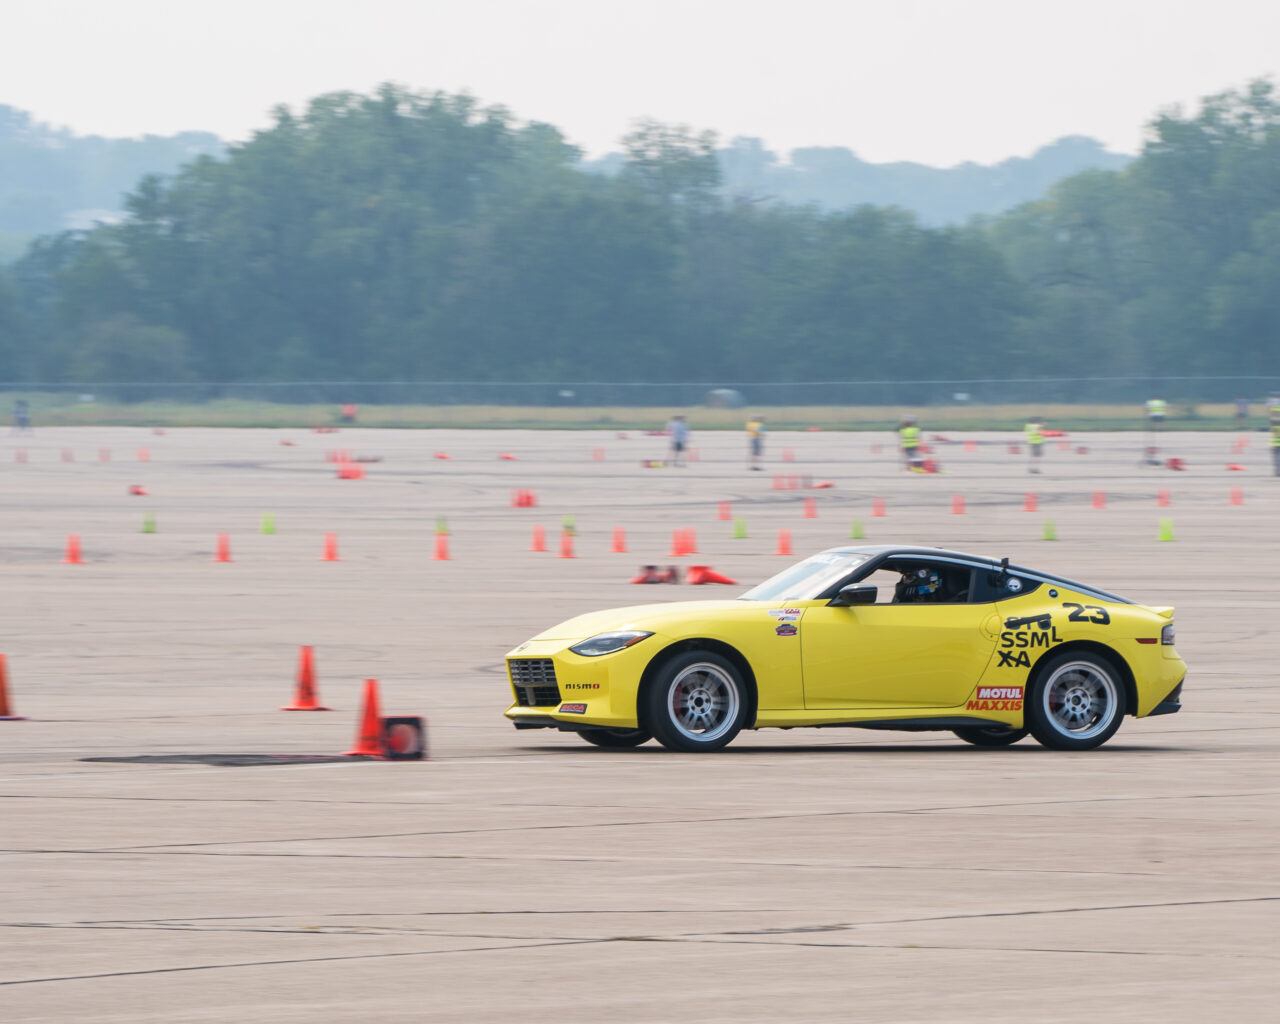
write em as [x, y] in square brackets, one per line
[535, 682]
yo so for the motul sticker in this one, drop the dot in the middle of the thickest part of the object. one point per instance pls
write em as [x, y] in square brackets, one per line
[996, 698]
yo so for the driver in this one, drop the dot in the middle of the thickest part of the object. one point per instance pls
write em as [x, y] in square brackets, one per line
[918, 585]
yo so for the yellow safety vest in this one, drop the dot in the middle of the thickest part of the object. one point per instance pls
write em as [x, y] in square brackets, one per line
[1156, 407]
[1032, 430]
[753, 428]
[910, 436]
[1275, 437]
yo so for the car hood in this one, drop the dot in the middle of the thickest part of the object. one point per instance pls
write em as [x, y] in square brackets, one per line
[652, 617]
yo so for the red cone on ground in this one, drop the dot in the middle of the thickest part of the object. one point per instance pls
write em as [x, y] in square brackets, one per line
[6, 710]
[1099, 499]
[305, 696]
[724, 514]
[137, 489]
[144, 454]
[539, 542]
[68, 455]
[104, 454]
[597, 454]
[957, 504]
[507, 457]
[877, 507]
[971, 446]
[73, 550]
[1029, 503]
[222, 552]
[811, 508]
[369, 733]
[330, 548]
[443, 455]
[1162, 498]
[1237, 496]
[442, 548]
[677, 544]
[788, 455]
[784, 542]
[705, 574]
[566, 544]
[619, 541]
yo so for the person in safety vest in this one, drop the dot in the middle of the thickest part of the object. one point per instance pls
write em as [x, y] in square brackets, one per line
[1275, 449]
[1156, 409]
[909, 441]
[1034, 432]
[755, 441]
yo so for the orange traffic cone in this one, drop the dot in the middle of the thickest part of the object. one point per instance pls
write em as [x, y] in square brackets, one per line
[811, 508]
[1099, 499]
[104, 454]
[443, 455]
[566, 544]
[690, 542]
[724, 514]
[619, 541]
[971, 446]
[68, 455]
[784, 542]
[677, 544]
[788, 455]
[138, 489]
[597, 454]
[442, 548]
[6, 712]
[507, 457]
[1029, 503]
[1162, 498]
[539, 542]
[144, 455]
[877, 507]
[73, 550]
[330, 548]
[369, 736]
[1237, 496]
[304, 697]
[223, 551]
[957, 504]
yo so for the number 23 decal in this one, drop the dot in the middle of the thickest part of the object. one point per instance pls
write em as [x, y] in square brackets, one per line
[1099, 615]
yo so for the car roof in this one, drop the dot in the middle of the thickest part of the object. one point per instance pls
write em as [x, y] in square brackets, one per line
[880, 552]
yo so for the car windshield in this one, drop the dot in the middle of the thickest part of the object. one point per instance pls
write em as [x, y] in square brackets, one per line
[807, 580]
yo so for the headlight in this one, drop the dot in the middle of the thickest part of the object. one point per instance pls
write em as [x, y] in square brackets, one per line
[609, 643]
[1166, 634]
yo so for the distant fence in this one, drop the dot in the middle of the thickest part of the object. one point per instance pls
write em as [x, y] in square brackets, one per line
[1185, 391]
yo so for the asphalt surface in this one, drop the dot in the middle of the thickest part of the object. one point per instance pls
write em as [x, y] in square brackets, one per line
[806, 875]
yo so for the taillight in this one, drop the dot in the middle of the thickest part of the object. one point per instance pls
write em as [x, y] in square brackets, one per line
[1166, 635]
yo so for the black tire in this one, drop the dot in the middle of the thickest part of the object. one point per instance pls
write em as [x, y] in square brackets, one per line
[1076, 702]
[696, 702]
[616, 737]
[990, 735]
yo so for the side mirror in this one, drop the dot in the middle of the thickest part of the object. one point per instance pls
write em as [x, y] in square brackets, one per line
[854, 593]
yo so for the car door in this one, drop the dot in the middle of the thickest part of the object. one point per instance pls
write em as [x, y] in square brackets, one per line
[896, 655]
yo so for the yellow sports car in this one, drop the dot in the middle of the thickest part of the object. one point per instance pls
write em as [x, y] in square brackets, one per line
[877, 637]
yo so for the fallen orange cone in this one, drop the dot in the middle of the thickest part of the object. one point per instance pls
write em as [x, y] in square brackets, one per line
[705, 574]
[305, 697]
[369, 735]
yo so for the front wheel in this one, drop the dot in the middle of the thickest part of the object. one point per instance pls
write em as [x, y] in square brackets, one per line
[1076, 702]
[696, 702]
[616, 737]
[990, 735]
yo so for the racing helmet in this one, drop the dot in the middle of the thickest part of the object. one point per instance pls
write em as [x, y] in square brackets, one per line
[917, 585]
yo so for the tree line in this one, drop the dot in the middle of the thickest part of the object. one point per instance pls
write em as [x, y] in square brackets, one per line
[407, 236]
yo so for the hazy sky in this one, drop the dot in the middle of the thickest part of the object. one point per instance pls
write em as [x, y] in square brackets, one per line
[930, 80]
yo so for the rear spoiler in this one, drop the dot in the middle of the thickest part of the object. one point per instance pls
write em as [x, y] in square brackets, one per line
[1164, 613]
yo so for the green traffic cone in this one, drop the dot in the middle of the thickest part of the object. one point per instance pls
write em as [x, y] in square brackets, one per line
[442, 525]
[1166, 529]
[148, 522]
[855, 532]
[739, 528]
[1050, 531]
[268, 523]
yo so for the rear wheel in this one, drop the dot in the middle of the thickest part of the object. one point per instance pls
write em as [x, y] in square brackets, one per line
[1076, 703]
[990, 735]
[616, 737]
[696, 702]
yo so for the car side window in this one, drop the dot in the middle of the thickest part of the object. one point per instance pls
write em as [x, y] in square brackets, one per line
[993, 585]
[922, 582]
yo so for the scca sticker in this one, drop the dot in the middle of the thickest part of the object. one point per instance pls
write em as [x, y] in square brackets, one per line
[996, 698]
[573, 709]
